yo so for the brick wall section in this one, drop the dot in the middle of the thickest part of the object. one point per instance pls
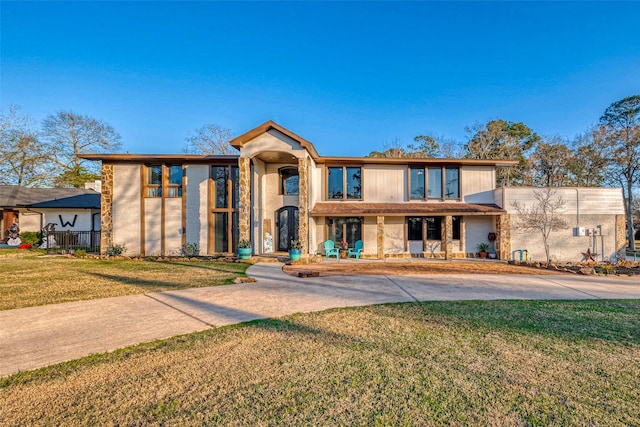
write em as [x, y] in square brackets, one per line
[380, 237]
[303, 204]
[621, 237]
[106, 206]
[503, 236]
[245, 199]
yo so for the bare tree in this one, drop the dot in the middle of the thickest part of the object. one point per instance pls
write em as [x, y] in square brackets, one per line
[210, 139]
[621, 121]
[543, 216]
[67, 136]
[21, 154]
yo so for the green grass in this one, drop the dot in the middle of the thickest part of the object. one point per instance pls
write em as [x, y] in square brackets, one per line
[29, 279]
[532, 363]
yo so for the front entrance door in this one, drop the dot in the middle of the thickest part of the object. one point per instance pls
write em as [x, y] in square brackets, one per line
[287, 227]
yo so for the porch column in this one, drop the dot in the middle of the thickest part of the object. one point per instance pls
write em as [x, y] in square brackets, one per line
[303, 205]
[106, 208]
[380, 237]
[621, 237]
[447, 237]
[503, 236]
[245, 200]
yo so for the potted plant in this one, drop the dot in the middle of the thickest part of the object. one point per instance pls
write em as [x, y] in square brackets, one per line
[244, 249]
[482, 249]
[295, 250]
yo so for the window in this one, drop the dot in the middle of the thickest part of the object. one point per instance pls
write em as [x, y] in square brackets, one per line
[452, 183]
[417, 183]
[457, 223]
[344, 183]
[289, 181]
[434, 183]
[416, 226]
[226, 199]
[163, 180]
[349, 229]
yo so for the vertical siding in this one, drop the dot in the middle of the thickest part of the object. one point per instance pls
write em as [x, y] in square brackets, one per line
[384, 184]
[127, 219]
[477, 184]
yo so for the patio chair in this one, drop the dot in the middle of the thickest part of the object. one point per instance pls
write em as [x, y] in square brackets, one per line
[356, 251]
[331, 250]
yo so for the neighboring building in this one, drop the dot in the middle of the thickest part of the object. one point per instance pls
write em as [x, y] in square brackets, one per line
[70, 209]
[279, 188]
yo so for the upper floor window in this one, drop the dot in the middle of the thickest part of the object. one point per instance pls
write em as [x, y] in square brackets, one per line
[344, 182]
[434, 183]
[226, 181]
[289, 181]
[163, 180]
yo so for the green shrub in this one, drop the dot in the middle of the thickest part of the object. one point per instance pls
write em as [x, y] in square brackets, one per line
[116, 250]
[80, 252]
[31, 237]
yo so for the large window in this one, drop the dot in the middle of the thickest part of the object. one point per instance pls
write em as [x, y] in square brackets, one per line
[226, 198]
[163, 180]
[431, 227]
[344, 183]
[340, 228]
[435, 181]
[289, 181]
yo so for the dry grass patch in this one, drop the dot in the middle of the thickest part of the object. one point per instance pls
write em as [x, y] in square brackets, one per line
[28, 279]
[462, 363]
[364, 267]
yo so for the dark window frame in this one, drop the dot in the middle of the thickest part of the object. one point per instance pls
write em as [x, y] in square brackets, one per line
[162, 187]
[443, 187]
[344, 194]
[286, 173]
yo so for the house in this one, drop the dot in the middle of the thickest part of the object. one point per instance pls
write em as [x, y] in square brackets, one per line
[278, 188]
[69, 209]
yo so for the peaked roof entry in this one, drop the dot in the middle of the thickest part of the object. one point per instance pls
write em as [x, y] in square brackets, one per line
[241, 140]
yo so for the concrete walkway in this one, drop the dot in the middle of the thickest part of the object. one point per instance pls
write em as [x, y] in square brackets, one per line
[39, 336]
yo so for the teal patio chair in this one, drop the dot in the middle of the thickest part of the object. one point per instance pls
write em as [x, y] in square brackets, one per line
[355, 252]
[331, 250]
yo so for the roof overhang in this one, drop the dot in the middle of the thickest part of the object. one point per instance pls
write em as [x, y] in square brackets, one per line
[161, 158]
[403, 209]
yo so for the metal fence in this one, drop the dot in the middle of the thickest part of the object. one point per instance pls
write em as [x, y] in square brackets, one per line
[65, 242]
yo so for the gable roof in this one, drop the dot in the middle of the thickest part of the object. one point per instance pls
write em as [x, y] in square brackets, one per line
[241, 140]
[14, 196]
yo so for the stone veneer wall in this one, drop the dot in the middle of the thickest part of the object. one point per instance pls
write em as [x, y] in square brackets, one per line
[303, 204]
[380, 220]
[503, 236]
[245, 199]
[447, 236]
[621, 237]
[106, 208]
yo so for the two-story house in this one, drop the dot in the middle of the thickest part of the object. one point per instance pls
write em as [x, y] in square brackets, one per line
[279, 189]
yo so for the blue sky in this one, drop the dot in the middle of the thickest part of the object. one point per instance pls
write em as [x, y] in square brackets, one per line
[349, 77]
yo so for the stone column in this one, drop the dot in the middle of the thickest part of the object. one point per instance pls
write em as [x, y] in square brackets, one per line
[245, 199]
[503, 236]
[447, 237]
[106, 208]
[303, 204]
[621, 237]
[380, 237]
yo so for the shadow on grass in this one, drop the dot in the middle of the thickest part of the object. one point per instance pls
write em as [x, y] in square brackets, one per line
[241, 269]
[157, 284]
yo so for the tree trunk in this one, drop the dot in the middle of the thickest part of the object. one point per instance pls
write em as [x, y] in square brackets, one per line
[629, 209]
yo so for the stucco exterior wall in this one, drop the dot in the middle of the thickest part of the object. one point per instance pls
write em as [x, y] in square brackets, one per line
[319, 235]
[272, 141]
[563, 245]
[173, 226]
[394, 235]
[197, 202]
[127, 192]
[153, 226]
[477, 184]
[384, 183]
[370, 236]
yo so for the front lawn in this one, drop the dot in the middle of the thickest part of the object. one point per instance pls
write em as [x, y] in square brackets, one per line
[28, 279]
[497, 363]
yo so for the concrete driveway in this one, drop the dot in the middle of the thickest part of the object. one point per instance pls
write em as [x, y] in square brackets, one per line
[39, 336]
